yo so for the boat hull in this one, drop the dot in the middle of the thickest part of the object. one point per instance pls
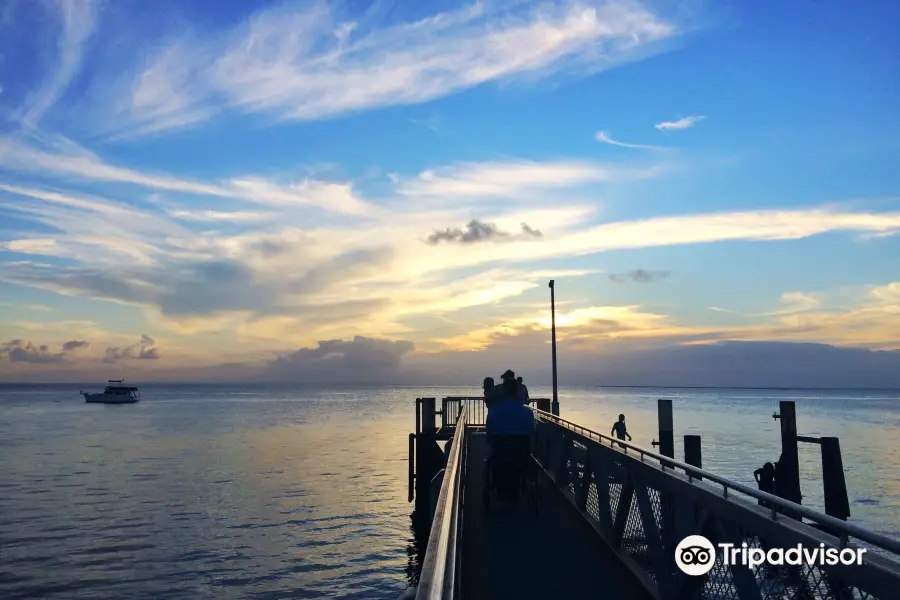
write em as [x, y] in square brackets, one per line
[107, 399]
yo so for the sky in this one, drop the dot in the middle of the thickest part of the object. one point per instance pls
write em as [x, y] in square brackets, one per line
[381, 191]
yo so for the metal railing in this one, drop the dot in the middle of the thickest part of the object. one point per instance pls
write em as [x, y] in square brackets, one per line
[440, 575]
[776, 505]
[642, 504]
[475, 405]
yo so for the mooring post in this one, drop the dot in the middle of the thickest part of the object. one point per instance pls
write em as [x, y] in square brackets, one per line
[666, 429]
[837, 504]
[429, 424]
[693, 453]
[429, 456]
[787, 480]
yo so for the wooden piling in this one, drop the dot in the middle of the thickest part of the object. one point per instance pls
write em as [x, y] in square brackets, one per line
[666, 429]
[787, 481]
[693, 453]
[429, 455]
[837, 504]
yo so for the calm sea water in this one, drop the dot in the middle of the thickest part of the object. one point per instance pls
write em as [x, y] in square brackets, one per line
[239, 492]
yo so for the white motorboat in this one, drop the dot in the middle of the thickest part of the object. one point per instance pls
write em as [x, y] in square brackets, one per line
[114, 393]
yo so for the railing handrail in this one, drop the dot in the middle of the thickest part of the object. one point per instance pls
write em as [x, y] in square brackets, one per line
[788, 507]
[437, 579]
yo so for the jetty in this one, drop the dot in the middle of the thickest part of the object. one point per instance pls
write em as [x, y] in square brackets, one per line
[611, 514]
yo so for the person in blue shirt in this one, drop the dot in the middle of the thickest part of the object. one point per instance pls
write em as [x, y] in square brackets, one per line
[508, 426]
[507, 415]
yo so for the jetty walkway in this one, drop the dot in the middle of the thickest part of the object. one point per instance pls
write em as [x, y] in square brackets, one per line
[609, 519]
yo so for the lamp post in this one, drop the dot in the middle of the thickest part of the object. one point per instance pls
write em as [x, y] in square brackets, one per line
[554, 408]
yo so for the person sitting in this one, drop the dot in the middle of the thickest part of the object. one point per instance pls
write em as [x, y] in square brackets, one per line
[488, 385]
[765, 479]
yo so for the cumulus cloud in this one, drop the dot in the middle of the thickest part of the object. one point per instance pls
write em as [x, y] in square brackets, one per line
[639, 276]
[74, 345]
[477, 231]
[23, 351]
[27, 352]
[145, 349]
[685, 123]
[361, 360]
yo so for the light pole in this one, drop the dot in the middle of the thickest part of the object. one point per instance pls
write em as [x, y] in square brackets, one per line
[554, 408]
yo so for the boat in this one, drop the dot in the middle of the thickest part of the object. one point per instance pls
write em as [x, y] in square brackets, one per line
[114, 393]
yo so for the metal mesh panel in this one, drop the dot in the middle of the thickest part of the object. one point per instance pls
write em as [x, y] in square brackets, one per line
[789, 582]
[592, 507]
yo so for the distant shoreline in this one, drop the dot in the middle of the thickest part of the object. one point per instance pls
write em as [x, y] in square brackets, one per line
[14, 384]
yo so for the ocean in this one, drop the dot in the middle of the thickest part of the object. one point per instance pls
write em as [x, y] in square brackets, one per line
[204, 491]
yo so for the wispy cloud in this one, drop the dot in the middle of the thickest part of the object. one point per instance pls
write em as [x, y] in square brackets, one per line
[515, 177]
[685, 123]
[602, 136]
[300, 61]
[76, 163]
[77, 22]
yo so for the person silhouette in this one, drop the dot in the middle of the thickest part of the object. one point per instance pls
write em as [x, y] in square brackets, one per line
[620, 430]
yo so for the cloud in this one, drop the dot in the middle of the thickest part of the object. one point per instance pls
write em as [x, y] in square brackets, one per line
[685, 123]
[302, 61]
[871, 321]
[145, 349]
[73, 162]
[77, 20]
[23, 351]
[515, 178]
[476, 231]
[74, 345]
[602, 136]
[357, 361]
[639, 276]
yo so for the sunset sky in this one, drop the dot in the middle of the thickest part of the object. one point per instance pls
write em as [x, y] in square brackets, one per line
[299, 190]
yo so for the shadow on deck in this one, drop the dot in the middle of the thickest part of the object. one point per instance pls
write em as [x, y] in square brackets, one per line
[511, 552]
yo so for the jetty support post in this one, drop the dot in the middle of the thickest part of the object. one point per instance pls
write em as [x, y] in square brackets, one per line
[787, 481]
[837, 504]
[666, 430]
[693, 453]
[429, 455]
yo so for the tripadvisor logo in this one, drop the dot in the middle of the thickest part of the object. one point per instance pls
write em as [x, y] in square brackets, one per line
[696, 555]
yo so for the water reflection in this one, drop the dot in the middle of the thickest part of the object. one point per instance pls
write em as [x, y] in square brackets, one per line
[279, 492]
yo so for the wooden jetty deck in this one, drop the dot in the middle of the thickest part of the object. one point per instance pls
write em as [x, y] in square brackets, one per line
[610, 518]
[511, 552]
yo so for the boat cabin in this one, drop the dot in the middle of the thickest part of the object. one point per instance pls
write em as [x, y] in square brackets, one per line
[114, 387]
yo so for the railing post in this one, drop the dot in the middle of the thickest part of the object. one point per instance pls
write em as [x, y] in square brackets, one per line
[693, 453]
